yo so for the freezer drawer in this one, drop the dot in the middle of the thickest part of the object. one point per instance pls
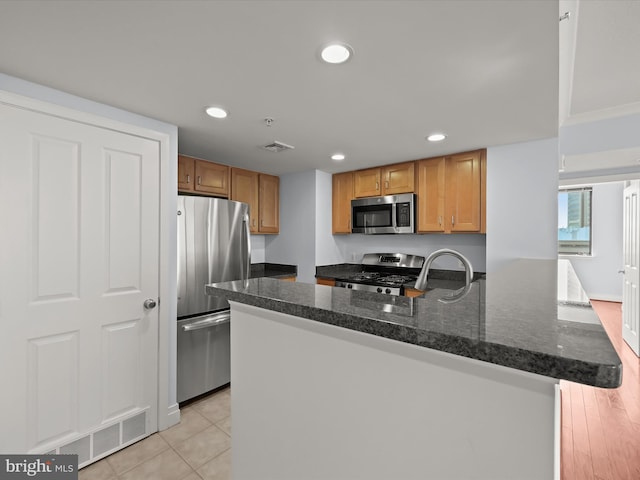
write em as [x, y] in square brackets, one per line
[203, 361]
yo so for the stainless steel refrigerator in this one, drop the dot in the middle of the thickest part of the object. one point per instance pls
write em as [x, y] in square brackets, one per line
[213, 246]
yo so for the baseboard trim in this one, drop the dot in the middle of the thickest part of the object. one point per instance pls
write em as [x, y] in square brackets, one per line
[171, 418]
[605, 297]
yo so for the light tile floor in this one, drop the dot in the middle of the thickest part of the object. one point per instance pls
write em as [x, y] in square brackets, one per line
[198, 448]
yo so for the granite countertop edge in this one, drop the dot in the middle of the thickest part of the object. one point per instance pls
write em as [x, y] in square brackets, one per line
[563, 368]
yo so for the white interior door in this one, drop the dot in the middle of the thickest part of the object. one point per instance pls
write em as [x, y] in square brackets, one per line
[79, 246]
[631, 291]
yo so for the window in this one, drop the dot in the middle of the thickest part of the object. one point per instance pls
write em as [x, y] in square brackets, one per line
[574, 221]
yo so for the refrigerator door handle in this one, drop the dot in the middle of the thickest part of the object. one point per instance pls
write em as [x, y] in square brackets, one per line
[208, 321]
[247, 233]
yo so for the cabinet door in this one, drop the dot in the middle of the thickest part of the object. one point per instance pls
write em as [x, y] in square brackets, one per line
[398, 178]
[186, 173]
[342, 194]
[212, 178]
[367, 183]
[244, 188]
[463, 192]
[269, 204]
[431, 195]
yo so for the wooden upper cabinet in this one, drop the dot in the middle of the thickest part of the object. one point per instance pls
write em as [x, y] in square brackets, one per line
[244, 188]
[366, 183]
[201, 176]
[269, 204]
[451, 193]
[463, 191]
[431, 195]
[388, 180]
[342, 194]
[186, 173]
[212, 178]
[398, 178]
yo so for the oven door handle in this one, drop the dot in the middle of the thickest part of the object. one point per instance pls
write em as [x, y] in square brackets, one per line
[209, 321]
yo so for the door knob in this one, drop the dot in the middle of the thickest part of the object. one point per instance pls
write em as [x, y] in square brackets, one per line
[149, 303]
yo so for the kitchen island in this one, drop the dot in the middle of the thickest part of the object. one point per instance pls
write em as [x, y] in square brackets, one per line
[330, 383]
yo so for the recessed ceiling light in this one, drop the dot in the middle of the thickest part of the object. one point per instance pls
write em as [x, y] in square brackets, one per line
[216, 112]
[336, 53]
[337, 156]
[436, 137]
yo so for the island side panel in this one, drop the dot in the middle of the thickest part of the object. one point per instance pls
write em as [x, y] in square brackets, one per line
[314, 401]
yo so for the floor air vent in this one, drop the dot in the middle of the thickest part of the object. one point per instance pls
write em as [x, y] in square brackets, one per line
[277, 147]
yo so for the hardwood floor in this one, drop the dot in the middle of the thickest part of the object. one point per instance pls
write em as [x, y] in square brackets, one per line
[601, 427]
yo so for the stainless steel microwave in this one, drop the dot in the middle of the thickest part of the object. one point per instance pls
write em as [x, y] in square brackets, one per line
[388, 214]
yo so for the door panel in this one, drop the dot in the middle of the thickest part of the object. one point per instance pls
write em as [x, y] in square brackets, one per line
[463, 190]
[630, 291]
[52, 386]
[431, 195]
[80, 254]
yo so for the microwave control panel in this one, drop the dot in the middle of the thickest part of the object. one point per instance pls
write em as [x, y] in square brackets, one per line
[403, 214]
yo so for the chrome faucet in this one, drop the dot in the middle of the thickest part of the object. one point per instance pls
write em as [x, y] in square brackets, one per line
[421, 282]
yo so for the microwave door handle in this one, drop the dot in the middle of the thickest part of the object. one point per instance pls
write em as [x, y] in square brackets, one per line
[394, 219]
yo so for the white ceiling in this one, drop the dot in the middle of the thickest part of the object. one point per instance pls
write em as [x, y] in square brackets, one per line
[484, 71]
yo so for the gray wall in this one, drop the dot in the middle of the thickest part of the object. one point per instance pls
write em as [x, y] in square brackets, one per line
[599, 272]
[296, 243]
[522, 202]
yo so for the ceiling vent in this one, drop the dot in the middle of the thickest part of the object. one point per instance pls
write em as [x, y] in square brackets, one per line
[277, 147]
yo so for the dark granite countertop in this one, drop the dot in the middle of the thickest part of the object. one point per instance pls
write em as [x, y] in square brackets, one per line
[272, 270]
[533, 316]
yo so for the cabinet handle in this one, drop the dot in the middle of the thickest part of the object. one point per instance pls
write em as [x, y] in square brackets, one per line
[386, 184]
[253, 222]
[440, 220]
[199, 180]
[188, 178]
[452, 221]
[377, 186]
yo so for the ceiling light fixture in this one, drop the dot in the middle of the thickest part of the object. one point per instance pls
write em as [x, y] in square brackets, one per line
[436, 137]
[337, 156]
[336, 53]
[216, 112]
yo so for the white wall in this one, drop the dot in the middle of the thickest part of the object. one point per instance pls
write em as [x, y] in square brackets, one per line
[296, 243]
[327, 250]
[598, 273]
[600, 136]
[522, 203]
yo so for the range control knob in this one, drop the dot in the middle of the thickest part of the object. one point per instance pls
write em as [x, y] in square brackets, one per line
[388, 290]
[349, 285]
[379, 290]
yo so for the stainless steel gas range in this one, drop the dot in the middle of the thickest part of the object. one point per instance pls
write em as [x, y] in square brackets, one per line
[384, 273]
